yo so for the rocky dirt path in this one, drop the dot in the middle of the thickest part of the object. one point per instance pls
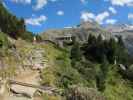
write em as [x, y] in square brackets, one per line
[28, 76]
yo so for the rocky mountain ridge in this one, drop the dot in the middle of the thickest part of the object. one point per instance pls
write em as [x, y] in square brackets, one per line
[126, 31]
[82, 31]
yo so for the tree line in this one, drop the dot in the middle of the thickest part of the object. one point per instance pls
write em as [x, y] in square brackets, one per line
[13, 26]
[97, 51]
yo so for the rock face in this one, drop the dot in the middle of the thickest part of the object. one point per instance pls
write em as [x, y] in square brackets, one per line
[122, 67]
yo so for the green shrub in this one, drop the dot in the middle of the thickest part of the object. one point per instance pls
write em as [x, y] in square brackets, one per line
[3, 40]
[67, 75]
[82, 93]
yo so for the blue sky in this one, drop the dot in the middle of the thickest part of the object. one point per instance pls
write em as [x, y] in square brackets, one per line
[41, 15]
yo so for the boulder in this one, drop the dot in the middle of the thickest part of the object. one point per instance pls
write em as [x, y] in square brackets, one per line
[22, 90]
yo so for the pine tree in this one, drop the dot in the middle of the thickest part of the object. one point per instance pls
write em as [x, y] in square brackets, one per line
[102, 74]
[91, 39]
[104, 66]
[100, 81]
[11, 25]
[112, 50]
[75, 53]
[120, 41]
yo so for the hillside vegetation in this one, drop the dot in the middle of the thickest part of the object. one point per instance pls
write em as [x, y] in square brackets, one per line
[13, 26]
[99, 68]
[83, 70]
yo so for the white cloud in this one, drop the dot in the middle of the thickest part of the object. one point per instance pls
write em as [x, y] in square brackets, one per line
[40, 4]
[53, 0]
[110, 21]
[22, 1]
[83, 1]
[130, 16]
[33, 15]
[113, 10]
[4, 5]
[100, 17]
[121, 2]
[60, 13]
[36, 21]
[86, 16]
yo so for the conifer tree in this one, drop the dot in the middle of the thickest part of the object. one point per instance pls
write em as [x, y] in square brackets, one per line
[75, 53]
[102, 74]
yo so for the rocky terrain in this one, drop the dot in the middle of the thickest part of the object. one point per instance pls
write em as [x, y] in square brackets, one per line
[126, 31]
[44, 71]
[84, 62]
[82, 31]
[29, 60]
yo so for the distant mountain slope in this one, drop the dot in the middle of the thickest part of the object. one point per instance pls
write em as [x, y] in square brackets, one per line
[80, 31]
[126, 31]
[84, 29]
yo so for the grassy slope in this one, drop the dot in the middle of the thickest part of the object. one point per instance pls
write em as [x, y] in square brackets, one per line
[60, 73]
[59, 68]
[116, 87]
[7, 60]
